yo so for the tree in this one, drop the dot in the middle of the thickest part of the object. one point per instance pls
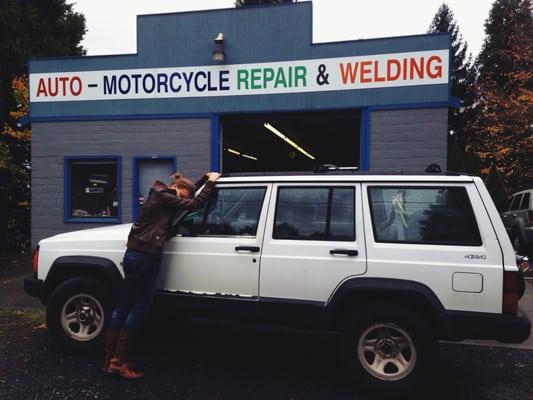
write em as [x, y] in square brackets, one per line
[503, 129]
[462, 86]
[246, 3]
[28, 28]
[496, 188]
[15, 172]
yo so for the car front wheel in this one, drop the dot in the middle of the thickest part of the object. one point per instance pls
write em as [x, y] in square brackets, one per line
[76, 314]
[389, 349]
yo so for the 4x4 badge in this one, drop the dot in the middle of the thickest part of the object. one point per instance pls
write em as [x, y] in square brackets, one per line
[476, 256]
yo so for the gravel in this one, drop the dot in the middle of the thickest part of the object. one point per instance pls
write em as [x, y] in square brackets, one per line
[199, 361]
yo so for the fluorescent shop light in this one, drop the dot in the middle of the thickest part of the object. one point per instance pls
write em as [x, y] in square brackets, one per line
[248, 156]
[288, 140]
[238, 153]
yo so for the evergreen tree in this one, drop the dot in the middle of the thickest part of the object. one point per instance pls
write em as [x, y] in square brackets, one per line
[245, 3]
[503, 127]
[462, 86]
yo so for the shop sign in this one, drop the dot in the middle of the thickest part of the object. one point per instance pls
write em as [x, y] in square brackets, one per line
[318, 75]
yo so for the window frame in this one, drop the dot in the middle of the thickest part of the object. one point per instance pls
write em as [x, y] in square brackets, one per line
[204, 216]
[67, 206]
[328, 210]
[407, 187]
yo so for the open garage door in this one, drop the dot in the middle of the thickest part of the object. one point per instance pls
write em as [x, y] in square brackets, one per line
[290, 141]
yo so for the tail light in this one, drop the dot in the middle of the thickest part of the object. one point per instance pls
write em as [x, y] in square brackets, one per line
[36, 259]
[511, 292]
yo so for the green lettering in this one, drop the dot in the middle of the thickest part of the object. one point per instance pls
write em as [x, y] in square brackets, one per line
[290, 77]
[242, 77]
[256, 78]
[301, 74]
[280, 78]
[268, 75]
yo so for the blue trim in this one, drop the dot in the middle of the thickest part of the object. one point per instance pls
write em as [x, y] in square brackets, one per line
[135, 179]
[121, 117]
[67, 208]
[455, 102]
[408, 106]
[215, 143]
[364, 140]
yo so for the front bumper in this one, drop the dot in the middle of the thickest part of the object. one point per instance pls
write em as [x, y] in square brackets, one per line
[502, 327]
[33, 286]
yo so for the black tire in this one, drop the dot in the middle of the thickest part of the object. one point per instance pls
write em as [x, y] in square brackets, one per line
[91, 301]
[374, 322]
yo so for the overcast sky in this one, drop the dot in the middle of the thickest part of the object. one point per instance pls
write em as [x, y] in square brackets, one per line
[111, 25]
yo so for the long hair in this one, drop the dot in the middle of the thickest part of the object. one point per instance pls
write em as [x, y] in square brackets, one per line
[182, 183]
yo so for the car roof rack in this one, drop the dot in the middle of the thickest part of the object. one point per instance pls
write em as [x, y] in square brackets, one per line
[331, 169]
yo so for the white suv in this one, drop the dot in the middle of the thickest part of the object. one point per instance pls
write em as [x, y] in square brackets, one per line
[394, 263]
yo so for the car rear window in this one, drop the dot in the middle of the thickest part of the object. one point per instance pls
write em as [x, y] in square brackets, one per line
[423, 215]
[525, 202]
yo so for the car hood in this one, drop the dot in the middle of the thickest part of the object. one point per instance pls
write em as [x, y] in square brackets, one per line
[111, 232]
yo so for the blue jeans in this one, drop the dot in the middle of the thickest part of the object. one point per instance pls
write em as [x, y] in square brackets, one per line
[137, 293]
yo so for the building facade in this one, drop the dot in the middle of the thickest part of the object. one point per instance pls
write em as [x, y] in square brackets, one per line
[234, 90]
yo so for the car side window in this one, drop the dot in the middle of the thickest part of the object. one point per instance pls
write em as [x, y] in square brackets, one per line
[423, 215]
[515, 205]
[315, 213]
[525, 201]
[229, 212]
[509, 202]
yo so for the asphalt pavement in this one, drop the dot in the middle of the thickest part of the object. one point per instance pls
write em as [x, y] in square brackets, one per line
[201, 361]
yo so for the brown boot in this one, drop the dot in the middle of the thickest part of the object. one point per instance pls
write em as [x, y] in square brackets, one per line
[110, 342]
[119, 363]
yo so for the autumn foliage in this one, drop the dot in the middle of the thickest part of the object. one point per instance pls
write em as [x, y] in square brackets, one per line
[502, 132]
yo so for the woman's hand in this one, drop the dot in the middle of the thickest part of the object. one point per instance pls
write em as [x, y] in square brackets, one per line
[212, 176]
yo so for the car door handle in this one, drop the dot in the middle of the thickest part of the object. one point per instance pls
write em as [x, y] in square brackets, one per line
[351, 253]
[250, 249]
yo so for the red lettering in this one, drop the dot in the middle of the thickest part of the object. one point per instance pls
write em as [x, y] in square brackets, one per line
[434, 71]
[41, 88]
[393, 63]
[64, 80]
[77, 80]
[349, 73]
[377, 78]
[366, 71]
[418, 68]
[404, 69]
[51, 92]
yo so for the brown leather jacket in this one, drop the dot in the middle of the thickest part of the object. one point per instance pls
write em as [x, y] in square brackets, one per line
[149, 232]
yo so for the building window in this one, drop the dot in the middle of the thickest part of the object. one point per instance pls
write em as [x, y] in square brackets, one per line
[229, 212]
[315, 213]
[92, 189]
[423, 215]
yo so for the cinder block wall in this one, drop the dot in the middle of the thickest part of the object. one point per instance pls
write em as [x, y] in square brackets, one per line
[187, 139]
[408, 140]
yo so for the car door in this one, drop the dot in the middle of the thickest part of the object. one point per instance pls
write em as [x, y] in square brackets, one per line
[437, 234]
[313, 240]
[217, 248]
[510, 215]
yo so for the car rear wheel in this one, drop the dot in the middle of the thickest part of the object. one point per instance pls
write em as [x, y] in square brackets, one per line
[76, 314]
[389, 349]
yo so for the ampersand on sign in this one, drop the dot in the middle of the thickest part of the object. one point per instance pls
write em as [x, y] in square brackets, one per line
[322, 77]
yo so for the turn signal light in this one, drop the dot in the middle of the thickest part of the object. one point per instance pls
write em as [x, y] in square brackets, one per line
[36, 259]
[511, 292]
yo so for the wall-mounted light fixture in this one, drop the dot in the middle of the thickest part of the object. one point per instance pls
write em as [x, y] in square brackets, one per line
[218, 50]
